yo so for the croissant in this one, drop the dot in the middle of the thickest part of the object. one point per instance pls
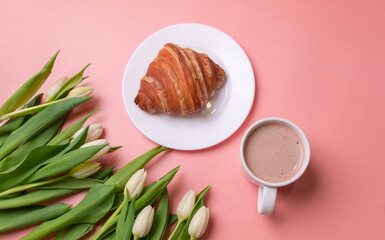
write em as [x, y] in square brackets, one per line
[179, 81]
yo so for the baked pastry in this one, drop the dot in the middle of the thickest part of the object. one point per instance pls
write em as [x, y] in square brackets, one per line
[179, 81]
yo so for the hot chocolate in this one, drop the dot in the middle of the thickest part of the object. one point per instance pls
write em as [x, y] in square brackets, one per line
[273, 152]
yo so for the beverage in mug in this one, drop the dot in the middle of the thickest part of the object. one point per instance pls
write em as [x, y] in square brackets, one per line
[274, 152]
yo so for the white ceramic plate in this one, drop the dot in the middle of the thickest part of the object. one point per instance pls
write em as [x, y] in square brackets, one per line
[224, 113]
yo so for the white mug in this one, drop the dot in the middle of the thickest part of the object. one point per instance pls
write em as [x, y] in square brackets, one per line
[267, 192]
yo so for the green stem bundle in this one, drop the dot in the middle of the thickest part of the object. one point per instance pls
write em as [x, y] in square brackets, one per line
[174, 230]
[31, 186]
[28, 111]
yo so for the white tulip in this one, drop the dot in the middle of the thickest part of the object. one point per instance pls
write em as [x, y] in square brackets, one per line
[84, 170]
[101, 151]
[55, 87]
[186, 205]
[94, 132]
[135, 185]
[143, 222]
[80, 92]
[199, 223]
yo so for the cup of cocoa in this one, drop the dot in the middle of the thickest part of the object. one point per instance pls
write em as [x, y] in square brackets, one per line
[274, 152]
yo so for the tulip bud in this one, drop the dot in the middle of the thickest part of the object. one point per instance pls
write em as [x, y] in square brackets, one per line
[186, 205]
[80, 92]
[55, 87]
[199, 223]
[94, 132]
[143, 222]
[84, 170]
[101, 151]
[135, 185]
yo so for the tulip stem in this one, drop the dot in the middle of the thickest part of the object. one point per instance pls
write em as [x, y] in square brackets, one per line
[174, 230]
[191, 238]
[31, 185]
[110, 222]
[136, 238]
[29, 110]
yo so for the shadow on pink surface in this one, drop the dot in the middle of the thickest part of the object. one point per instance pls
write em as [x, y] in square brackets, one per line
[297, 193]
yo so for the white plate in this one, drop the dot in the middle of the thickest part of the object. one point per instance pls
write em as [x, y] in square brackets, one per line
[224, 113]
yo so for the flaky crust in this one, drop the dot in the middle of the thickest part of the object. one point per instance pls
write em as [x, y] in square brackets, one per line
[179, 81]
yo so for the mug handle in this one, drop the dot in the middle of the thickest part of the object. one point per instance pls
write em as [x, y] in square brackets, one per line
[266, 199]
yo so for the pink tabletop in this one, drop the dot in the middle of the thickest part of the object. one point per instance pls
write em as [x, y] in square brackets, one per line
[320, 65]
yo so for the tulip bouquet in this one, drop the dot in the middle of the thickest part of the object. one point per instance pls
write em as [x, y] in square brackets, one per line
[40, 161]
[135, 217]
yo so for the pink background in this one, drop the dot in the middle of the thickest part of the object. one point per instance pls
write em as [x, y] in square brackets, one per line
[320, 64]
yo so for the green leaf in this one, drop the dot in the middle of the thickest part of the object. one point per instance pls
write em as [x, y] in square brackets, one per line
[14, 123]
[172, 218]
[23, 176]
[72, 183]
[38, 123]
[112, 149]
[65, 162]
[155, 191]
[33, 197]
[110, 236]
[69, 85]
[29, 111]
[91, 209]
[29, 186]
[121, 231]
[161, 218]
[147, 188]
[74, 231]
[103, 174]
[75, 144]
[126, 220]
[17, 162]
[36, 196]
[2, 139]
[20, 217]
[70, 131]
[29, 165]
[32, 103]
[198, 204]
[119, 198]
[18, 169]
[120, 178]
[28, 89]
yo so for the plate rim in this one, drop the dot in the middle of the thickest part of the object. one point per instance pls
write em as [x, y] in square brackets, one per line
[249, 65]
